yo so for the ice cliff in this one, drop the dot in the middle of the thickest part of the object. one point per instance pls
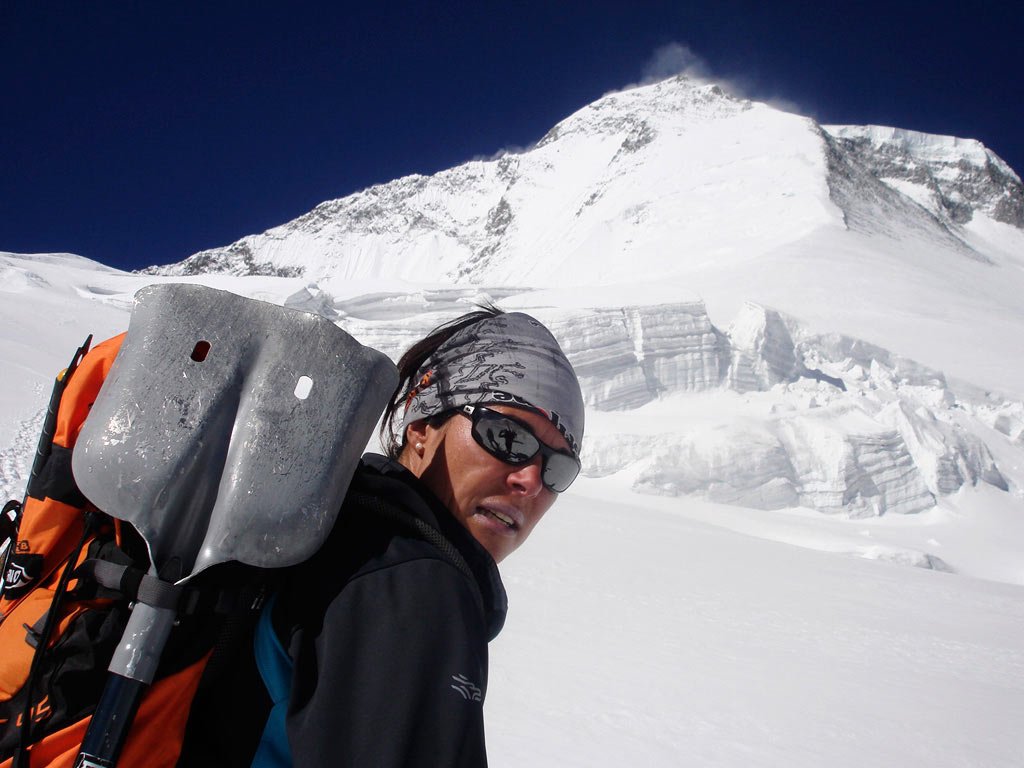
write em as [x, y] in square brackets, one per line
[764, 414]
[824, 422]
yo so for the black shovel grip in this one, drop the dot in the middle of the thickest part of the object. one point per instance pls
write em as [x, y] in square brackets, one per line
[111, 722]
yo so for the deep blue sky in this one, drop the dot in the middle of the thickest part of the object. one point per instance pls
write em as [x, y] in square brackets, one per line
[138, 133]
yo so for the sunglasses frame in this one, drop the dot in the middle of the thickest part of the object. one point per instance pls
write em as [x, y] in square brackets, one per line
[475, 413]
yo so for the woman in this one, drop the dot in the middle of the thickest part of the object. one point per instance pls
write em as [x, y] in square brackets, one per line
[375, 652]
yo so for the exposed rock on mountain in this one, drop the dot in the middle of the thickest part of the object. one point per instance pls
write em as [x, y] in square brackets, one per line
[951, 178]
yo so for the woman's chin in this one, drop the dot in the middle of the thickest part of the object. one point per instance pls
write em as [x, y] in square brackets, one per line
[494, 535]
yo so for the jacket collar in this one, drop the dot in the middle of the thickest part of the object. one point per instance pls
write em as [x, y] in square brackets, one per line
[392, 480]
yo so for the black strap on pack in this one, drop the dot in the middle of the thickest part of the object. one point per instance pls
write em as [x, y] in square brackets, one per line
[44, 449]
[132, 583]
[138, 586]
[424, 530]
[20, 758]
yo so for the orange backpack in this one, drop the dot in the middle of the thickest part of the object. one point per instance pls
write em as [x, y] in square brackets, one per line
[59, 628]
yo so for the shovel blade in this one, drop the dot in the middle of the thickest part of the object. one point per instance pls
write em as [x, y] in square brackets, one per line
[229, 428]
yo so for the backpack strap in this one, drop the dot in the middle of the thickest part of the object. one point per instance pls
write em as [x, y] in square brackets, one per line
[65, 489]
[416, 525]
[20, 757]
[138, 586]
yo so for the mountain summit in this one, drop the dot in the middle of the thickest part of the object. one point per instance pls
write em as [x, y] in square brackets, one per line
[661, 180]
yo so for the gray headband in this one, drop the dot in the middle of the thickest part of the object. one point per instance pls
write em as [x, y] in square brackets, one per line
[511, 359]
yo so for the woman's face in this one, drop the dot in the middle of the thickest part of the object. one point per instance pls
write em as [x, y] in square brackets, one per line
[499, 504]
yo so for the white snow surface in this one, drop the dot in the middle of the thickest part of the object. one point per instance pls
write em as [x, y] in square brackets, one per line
[723, 621]
[799, 535]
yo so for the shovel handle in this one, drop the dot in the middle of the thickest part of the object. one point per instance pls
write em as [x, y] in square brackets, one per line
[131, 670]
[142, 642]
[110, 723]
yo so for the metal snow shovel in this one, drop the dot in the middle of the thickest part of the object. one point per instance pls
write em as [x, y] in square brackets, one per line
[227, 430]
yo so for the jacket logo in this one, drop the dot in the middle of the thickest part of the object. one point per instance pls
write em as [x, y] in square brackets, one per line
[467, 688]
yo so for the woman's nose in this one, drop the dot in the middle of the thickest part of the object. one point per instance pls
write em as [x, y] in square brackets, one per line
[527, 479]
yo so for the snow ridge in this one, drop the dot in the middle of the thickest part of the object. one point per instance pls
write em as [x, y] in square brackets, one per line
[952, 178]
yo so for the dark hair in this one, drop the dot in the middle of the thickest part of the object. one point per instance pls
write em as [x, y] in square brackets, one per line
[409, 365]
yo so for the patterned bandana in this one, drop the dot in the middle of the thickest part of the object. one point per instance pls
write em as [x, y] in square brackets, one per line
[510, 359]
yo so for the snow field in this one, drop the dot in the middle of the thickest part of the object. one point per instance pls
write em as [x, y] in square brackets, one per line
[639, 635]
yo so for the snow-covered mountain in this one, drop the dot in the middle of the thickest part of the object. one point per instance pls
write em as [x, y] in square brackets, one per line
[951, 178]
[809, 335]
[651, 181]
[728, 200]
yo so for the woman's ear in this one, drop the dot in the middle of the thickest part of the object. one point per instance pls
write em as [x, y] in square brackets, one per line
[416, 437]
[415, 448]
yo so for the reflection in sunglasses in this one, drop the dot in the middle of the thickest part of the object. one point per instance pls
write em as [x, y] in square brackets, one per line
[498, 433]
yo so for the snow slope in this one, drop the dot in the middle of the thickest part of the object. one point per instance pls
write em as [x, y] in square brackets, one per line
[642, 635]
[701, 628]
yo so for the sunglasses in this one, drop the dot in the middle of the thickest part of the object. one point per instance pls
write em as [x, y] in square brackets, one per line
[513, 442]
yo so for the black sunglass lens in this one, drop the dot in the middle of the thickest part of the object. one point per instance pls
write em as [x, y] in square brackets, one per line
[515, 443]
[505, 439]
[560, 471]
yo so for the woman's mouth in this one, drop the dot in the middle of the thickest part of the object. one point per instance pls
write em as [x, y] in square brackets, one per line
[501, 517]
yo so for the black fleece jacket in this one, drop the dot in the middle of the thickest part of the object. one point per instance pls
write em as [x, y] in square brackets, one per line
[388, 638]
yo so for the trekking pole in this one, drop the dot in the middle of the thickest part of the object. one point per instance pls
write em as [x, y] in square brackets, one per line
[133, 666]
[12, 511]
[45, 447]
